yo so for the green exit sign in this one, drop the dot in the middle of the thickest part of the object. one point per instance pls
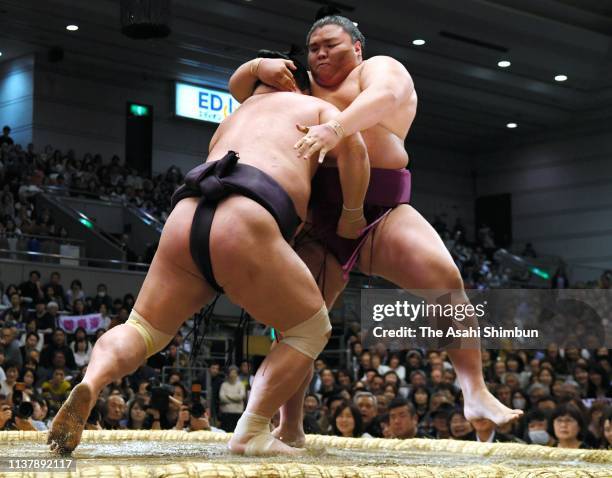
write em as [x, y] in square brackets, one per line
[139, 110]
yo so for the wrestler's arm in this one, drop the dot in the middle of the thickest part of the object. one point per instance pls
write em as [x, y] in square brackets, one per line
[275, 72]
[385, 84]
[354, 170]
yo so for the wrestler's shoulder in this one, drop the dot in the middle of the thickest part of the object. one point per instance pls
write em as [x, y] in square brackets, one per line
[382, 61]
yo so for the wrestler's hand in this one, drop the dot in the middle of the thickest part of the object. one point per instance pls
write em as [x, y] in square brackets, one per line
[321, 138]
[276, 72]
[350, 224]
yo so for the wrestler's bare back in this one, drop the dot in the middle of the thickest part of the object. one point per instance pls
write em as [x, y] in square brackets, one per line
[385, 141]
[263, 132]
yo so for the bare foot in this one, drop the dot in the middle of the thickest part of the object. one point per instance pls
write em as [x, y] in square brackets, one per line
[483, 404]
[261, 445]
[292, 438]
[68, 424]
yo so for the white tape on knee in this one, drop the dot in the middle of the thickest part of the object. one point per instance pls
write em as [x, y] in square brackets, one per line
[155, 340]
[310, 336]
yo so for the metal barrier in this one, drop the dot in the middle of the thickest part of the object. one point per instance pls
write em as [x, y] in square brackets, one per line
[70, 260]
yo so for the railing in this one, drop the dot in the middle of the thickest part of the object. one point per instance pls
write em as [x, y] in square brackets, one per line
[145, 216]
[59, 240]
[70, 260]
[59, 191]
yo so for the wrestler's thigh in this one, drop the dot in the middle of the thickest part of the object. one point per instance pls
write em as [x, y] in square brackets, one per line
[173, 289]
[257, 268]
[409, 252]
[325, 268]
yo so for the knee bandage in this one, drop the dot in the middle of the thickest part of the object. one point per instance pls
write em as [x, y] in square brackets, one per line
[155, 340]
[310, 336]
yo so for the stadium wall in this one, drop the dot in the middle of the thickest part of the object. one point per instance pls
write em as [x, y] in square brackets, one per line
[16, 97]
[561, 196]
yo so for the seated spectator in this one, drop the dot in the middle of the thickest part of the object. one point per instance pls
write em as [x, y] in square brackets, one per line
[6, 138]
[106, 318]
[231, 395]
[312, 414]
[102, 298]
[536, 429]
[390, 393]
[6, 296]
[368, 407]
[78, 307]
[32, 288]
[546, 404]
[16, 313]
[51, 296]
[28, 377]
[11, 370]
[184, 418]
[128, 302]
[344, 379]
[559, 279]
[459, 428]
[347, 422]
[511, 379]
[75, 292]
[58, 342]
[58, 289]
[377, 364]
[56, 390]
[606, 429]
[10, 344]
[420, 401]
[200, 419]
[439, 419]
[120, 386]
[137, 415]
[537, 391]
[403, 420]
[50, 321]
[485, 432]
[504, 394]
[396, 366]
[594, 435]
[39, 413]
[520, 400]
[6, 413]
[82, 352]
[31, 343]
[599, 383]
[566, 424]
[58, 361]
[114, 411]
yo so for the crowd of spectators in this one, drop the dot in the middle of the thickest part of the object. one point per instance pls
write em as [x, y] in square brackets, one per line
[24, 172]
[565, 393]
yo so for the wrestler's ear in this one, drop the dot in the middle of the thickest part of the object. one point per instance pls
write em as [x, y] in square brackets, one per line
[358, 49]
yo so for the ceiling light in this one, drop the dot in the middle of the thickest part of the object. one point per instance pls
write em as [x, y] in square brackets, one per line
[356, 24]
[0, 53]
[560, 78]
[504, 64]
[72, 28]
[418, 42]
[511, 125]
